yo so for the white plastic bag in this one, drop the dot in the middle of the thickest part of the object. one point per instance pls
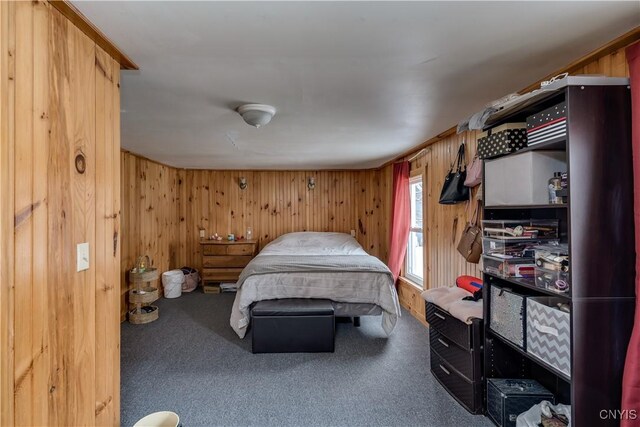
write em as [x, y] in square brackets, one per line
[533, 417]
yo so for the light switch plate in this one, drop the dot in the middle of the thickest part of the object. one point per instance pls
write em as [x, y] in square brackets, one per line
[82, 257]
[353, 233]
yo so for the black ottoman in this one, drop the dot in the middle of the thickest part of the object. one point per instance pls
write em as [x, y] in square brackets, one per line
[293, 325]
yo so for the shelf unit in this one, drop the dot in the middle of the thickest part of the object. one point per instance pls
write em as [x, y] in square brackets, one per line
[597, 223]
[142, 295]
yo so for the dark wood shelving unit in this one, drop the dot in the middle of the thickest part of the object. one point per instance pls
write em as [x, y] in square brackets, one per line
[547, 146]
[530, 356]
[520, 207]
[597, 223]
[525, 283]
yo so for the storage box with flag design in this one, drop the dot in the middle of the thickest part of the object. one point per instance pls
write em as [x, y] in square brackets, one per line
[549, 332]
[504, 139]
[549, 125]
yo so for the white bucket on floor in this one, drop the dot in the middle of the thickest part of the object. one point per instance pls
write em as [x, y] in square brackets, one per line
[159, 419]
[172, 281]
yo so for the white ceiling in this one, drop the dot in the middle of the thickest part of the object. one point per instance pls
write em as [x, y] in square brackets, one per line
[354, 83]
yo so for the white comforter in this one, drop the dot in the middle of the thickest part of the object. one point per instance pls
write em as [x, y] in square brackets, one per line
[342, 286]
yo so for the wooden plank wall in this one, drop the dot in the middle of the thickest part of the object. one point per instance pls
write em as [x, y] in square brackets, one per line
[165, 208]
[445, 223]
[150, 218]
[278, 202]
[60, 353]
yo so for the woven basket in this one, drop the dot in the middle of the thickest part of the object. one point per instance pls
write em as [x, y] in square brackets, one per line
[150, 295]
[141, 318]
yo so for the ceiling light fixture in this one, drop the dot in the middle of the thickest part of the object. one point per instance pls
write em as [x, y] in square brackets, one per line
[256, 115]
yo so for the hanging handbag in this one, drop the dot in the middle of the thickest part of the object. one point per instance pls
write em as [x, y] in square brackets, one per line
[453, 190]
[474, 173]
[470, 245]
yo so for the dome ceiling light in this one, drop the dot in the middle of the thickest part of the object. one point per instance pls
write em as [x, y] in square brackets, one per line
[256, 115]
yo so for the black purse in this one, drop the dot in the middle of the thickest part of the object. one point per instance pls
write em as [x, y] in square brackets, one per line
[454, 191]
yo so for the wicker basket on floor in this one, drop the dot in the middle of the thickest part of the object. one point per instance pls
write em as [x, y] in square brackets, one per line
[142, 317]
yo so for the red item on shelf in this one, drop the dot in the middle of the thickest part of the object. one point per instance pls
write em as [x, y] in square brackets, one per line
[469, 283]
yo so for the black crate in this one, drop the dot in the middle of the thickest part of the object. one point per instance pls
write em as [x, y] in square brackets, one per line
[508, 398]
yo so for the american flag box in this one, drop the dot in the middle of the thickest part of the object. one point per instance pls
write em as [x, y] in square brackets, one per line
[549, 125]
[500, 140]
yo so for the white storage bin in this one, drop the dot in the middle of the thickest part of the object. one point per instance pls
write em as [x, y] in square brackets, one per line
[521, 179]
[549, 332]
[172, 281]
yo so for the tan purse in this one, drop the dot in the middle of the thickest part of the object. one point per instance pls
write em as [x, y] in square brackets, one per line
[470, 245]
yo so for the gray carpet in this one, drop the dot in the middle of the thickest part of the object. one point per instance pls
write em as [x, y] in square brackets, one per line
[191, 362]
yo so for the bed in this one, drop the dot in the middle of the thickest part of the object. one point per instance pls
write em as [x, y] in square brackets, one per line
[319, 265]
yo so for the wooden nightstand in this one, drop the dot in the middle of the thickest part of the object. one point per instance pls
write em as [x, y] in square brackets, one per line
[222, 260]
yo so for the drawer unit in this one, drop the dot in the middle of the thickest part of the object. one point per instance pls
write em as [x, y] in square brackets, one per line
[449, 326]
[223, 261]
[214, 250]
[467, 393]
[242, 249]
[514, 248]
[456, 356]
[229, 248]
[209, 261]
[514, 267]
[220, 274]
[464, 361]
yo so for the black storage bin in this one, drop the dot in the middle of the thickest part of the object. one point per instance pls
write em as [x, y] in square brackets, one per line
[456, 356]
[457, 331]
[467, 393]
[293, 325]
[464, 361]
[508, 398]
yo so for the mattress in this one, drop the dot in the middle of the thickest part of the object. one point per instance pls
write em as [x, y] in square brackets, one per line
[317, 265]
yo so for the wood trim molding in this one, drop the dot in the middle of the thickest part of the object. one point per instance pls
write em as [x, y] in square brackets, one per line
[411, 283]
[79, 20]
[624, 40]
[310, 171]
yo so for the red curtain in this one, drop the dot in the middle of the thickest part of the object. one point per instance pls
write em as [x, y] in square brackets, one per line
[400, 217]
[631, 380]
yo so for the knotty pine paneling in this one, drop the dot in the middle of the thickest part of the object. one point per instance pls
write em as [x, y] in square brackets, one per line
[279, 202]
[165, 208]
[445, 223]
[59, 359]
[151, 218]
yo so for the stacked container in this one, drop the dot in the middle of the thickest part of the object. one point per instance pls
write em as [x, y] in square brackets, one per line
[508, 245]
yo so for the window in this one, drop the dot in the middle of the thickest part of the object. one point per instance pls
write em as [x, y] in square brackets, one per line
[414, 268]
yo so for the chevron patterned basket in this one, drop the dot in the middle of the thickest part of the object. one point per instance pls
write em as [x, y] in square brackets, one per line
[549, 333]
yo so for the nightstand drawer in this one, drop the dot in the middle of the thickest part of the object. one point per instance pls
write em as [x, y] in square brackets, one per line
[220, 274]
[214, 249]
[240, 249]
[227, 261]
